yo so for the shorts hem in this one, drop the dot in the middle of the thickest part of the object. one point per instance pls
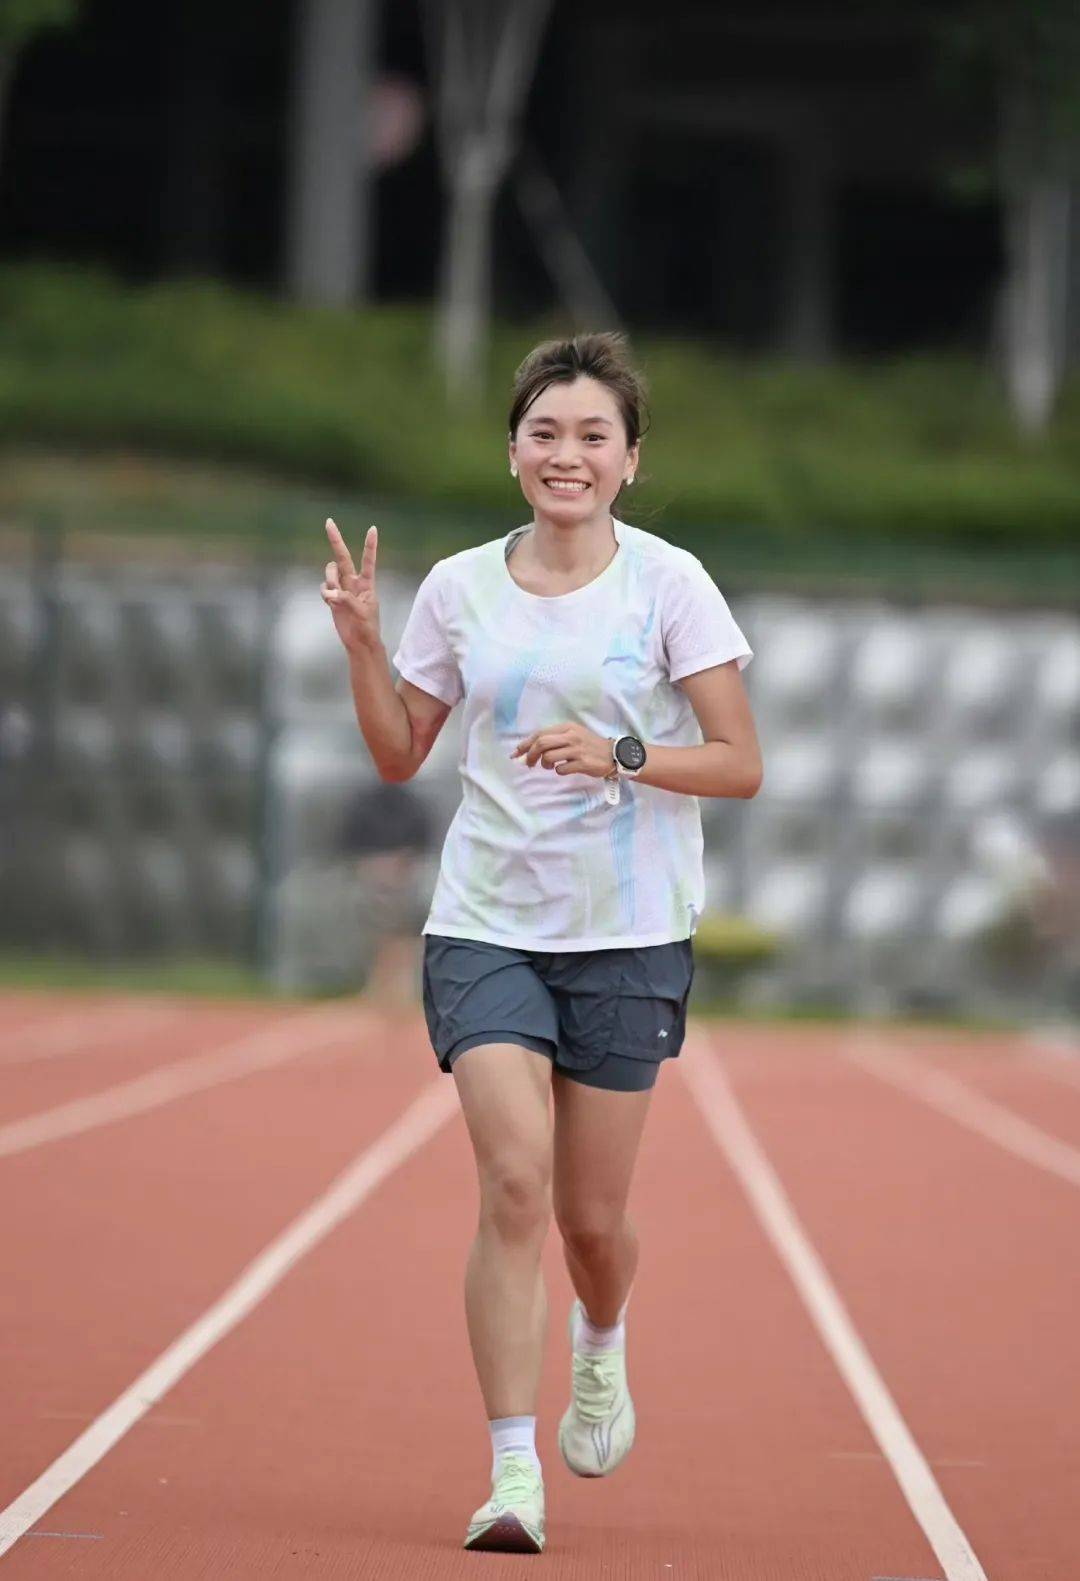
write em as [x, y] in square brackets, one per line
[644, 1071]
[500, 1035]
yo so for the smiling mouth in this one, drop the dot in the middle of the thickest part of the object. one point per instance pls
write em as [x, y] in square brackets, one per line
[565, 486]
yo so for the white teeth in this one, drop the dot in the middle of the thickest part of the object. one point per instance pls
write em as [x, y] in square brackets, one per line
[566, 487]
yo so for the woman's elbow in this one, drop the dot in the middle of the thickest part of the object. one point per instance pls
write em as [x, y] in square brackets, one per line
[752, 779]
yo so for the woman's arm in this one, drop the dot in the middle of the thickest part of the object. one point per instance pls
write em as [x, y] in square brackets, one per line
[728, 763]
[354, 604]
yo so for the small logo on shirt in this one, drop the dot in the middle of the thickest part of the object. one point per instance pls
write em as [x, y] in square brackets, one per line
[662, 1034]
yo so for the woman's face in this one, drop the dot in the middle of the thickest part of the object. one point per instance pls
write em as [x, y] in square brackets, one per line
[571, 451]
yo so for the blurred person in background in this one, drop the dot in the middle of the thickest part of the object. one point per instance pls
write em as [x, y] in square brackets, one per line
[387, 833]
[1055, 907]
[558, 955]
[1033, 940]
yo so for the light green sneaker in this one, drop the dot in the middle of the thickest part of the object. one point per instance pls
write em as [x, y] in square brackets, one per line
[512, 1520]
[598, 1429]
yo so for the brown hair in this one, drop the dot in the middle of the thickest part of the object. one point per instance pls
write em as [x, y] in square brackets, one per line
[601, 356]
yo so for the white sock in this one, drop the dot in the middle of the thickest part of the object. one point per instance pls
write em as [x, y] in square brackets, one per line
[512, 1435]
[593, 1341]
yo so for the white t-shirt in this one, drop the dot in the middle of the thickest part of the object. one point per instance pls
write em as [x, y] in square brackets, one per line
[538, 860]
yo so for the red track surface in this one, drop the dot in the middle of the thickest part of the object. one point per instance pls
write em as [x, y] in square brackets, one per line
[338, 1430]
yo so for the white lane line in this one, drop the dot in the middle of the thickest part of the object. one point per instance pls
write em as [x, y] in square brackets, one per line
[405, 1136]
[298, 1033]
[85, 1027]
[1054, 1051]
[950, 1097]
[709, 1086]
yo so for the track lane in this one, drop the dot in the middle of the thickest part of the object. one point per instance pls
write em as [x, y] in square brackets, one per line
[958, 1262]
[127, 1046]
[46, 1024]
[115, 1239]
[341, 1425]
[1026, 1081]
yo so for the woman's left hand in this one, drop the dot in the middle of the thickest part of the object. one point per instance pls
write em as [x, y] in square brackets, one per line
[569, 749]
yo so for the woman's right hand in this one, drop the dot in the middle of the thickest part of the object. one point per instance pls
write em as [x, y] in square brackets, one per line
[350, 594]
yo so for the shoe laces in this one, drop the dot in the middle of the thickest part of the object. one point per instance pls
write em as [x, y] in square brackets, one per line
[596, 1383]
[516, 1482]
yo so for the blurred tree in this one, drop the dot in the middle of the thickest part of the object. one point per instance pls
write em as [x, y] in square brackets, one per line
[19, 21]
[328, 243]
[580, 288]
[1028, 53]
[481, 54]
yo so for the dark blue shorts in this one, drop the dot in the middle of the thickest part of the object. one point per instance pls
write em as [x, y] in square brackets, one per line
[604, 1017]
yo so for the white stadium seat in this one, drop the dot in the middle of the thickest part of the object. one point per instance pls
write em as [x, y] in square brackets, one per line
[891, 772]
[86, 739]
[796, 665]
[890, 669]
[162, 741]
[969, 906]
[882, 902]
[789, 897]
[21, 624]
[802, 769]
[982, 674]
[983, 777]
[1057, 677]
[1057, 785]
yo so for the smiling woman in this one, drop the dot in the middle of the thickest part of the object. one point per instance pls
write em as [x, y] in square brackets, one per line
[574, 438]
[558, 956]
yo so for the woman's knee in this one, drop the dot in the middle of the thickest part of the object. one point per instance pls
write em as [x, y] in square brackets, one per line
[515, 1198]
[593, 1235]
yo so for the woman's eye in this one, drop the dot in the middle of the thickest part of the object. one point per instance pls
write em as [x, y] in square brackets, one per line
[595, 436]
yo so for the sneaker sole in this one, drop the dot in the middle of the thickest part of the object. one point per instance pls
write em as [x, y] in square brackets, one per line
[507, 1535]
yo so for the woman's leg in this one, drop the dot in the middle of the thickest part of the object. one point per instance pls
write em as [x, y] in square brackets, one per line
[596, 1139]
[504, 1091]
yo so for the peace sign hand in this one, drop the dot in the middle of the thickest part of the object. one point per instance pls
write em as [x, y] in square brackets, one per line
[350, 594]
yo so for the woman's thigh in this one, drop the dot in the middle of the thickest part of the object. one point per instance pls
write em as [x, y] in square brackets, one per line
[597, 1134]
[505, 1098]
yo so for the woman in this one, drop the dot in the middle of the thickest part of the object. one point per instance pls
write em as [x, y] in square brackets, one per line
[557, 955]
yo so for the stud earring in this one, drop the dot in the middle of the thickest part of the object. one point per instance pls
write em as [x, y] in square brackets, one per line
[629, 481]
[513, 471]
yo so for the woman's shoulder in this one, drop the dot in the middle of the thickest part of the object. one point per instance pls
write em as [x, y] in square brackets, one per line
[661, 558]
[464, 564]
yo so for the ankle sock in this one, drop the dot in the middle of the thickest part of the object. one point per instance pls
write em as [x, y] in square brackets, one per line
[512, 1435]
[594, 1341]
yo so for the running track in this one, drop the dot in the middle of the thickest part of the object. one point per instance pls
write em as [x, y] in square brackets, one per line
[233, 1344]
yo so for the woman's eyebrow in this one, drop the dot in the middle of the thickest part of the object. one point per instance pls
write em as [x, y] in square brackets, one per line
[553, 420]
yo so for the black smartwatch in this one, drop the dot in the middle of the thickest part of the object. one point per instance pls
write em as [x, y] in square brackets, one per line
[630, 756]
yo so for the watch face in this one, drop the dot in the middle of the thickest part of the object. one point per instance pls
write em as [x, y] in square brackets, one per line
[630, 752]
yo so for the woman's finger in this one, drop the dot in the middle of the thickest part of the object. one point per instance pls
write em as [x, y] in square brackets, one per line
[341, 553]
[331, 574]
[367, 560]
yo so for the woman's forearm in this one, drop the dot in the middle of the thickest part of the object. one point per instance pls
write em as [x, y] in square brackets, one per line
[715, 768]
[380, 712]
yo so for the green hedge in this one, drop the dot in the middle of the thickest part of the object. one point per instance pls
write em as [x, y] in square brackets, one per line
[916, 450]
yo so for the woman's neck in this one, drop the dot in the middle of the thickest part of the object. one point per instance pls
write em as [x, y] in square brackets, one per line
[569, 551]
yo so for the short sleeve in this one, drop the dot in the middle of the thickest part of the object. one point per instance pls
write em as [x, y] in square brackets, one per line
[699, 628]
[424, 655]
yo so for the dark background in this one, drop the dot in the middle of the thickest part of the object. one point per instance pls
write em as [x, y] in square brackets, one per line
[154, 141]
